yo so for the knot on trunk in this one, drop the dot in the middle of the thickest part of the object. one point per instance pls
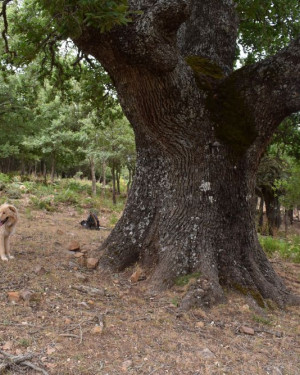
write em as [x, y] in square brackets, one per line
[152, 37]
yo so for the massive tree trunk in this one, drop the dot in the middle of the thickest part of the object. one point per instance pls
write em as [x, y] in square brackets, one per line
[200, 131]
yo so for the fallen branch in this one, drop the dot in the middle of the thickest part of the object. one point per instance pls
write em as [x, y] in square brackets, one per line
[34, 367]
[11, 360]
[274, 333]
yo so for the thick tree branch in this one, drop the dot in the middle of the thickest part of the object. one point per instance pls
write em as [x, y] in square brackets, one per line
[150, 40]
[250, 103]
[274, 84]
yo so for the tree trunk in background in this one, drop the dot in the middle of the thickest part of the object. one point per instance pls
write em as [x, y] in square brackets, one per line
[261, 214]
[200, 131]
[113, 172]
[22, 167]
[93, 176]
[44, 170]
[290, 216]
[52, 167]
[272, 211]
[104, 174]
[118, 176]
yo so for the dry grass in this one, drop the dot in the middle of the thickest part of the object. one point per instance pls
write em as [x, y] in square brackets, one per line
[144, 333]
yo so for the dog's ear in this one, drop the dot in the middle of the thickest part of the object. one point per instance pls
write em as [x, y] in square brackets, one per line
[13, 209]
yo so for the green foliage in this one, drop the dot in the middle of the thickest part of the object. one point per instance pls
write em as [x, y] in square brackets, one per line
[4, 178]
[289, 249]
[72, 16]
[271, 168]
[267, 26]
[43, 204]
[70, 192]
[289, 184]
[113, 220]
[13, 192]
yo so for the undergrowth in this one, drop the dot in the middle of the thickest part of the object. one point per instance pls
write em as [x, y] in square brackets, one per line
[50, 196]
[287, 248]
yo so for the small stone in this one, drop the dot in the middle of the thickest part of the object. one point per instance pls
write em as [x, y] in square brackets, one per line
[14, 296]
[78, 255]
[81, 276]
[207, 353]
[199, 324]
[40, 270]
[26, 295]
[50, 350]
[7, 345]
[245, 308]
[97, 330]
[126, 365]
[74, 246]
[247, 330]
[84, 304]
[134, 278]
[92, 263]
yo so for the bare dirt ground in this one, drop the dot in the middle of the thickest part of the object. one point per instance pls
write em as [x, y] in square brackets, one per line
[143, 333]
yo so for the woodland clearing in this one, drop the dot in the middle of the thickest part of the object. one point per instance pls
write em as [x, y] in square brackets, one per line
[138, 332]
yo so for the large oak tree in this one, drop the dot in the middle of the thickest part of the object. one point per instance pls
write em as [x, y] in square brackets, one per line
[201, 129]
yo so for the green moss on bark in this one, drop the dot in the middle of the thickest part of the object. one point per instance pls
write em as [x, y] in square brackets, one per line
[205, 71]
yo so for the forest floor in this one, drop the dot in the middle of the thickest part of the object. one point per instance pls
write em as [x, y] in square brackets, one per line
[122, 328]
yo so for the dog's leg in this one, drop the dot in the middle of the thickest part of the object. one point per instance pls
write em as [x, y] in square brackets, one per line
[2, 249]
[7, 247]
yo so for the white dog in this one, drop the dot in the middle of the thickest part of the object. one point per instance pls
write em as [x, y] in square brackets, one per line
[8, 221]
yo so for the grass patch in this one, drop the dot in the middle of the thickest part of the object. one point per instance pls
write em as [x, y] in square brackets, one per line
[261, 320]
[25, 343]
[185, 279]
[287, 248]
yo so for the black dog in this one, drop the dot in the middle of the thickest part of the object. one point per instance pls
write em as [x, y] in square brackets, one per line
[92, 222]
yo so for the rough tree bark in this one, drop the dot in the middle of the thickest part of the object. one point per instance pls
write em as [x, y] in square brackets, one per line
[200, 130]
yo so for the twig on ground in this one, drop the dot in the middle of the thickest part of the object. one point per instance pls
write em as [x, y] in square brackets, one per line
[89, 290]
[81, 334]
[155, 370]
[34, 367]
[22, 360]
[69, 335]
